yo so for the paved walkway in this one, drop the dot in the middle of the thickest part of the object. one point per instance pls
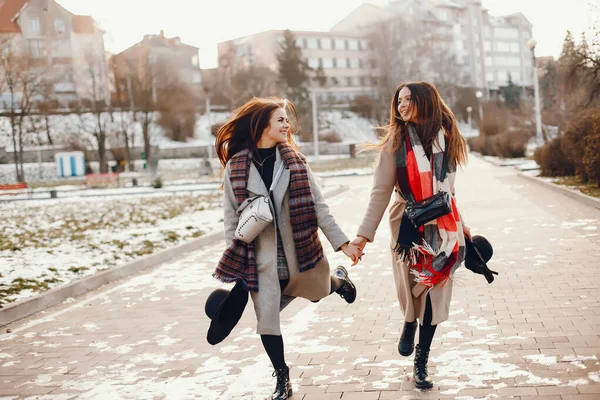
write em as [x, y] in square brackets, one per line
[533, 333]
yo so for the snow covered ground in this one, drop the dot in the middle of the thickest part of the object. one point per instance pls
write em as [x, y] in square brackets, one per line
[44, 244]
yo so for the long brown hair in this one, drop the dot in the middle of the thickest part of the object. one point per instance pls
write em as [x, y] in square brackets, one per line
[246, 127]
[432, 114]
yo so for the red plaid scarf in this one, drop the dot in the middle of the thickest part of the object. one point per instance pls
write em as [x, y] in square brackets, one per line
[238, 262]
[439, 246]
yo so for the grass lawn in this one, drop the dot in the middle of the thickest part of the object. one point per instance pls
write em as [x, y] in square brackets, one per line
[574, 182]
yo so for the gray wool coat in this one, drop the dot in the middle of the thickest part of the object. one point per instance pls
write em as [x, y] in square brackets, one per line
[411, 295]
[313, 284]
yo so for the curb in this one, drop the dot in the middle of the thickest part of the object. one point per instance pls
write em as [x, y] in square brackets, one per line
[53, 297]
[573, 194]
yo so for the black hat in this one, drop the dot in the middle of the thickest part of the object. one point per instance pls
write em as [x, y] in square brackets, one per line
[224, 308]
[478, 253]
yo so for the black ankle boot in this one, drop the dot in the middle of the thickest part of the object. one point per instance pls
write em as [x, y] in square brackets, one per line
[347, 291]
[283, 387]
[422, 380]
[407, 339]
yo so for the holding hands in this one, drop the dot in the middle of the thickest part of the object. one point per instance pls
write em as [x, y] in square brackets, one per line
[352, 252]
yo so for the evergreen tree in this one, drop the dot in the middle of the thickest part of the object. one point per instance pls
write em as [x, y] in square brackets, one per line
[512, 94]
[294, 72]
[320, 76]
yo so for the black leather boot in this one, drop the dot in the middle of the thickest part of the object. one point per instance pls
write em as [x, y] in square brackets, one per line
[407, 339]
[283, 387]
[347, 290]
[422, 380]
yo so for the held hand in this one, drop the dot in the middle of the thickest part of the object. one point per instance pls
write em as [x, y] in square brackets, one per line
[352, 252]
[360, 242]
[467, 232]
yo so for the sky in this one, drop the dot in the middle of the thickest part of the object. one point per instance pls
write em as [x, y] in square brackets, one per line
[204, 23]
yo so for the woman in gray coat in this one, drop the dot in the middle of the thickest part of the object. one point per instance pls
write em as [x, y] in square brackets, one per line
[286, 260]
[422, 140]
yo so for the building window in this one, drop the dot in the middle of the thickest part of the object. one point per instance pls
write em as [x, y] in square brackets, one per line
[299, 42]
[196, 61]
[326, 44]
[334, 63]
[352, 44]
[340, 44]
[312, 43]
[197, 77]
[506, 33]
[349, 81]
[502, 47]
[488, 62]
[34, 24]
[313, 63]
[37, 48]
[59, 25]
[362, 81]
[319, 43]
[489, 76]
[487, 46]
[327, 63]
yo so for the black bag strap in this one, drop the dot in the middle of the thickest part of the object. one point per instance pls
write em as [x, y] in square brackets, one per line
[445, 163]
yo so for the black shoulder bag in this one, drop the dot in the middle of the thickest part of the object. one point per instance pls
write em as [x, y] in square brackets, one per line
[432, 207]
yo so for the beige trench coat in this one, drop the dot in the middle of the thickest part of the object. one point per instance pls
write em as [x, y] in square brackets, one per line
[411, 296]
[313, 284]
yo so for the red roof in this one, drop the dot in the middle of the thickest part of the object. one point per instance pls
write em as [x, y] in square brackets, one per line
[8, 10]
[83, 24]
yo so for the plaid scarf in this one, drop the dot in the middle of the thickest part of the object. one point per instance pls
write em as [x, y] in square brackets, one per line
[238, 262]
[437, 248]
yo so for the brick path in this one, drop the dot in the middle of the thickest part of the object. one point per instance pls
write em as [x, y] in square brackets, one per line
[533, 333]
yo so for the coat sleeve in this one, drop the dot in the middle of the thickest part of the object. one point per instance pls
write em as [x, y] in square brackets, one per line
[384, 181]
[326, 222]
[230, 218]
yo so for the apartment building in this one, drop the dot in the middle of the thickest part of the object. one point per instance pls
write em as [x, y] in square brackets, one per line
[165, 58]
[487, 48]
[67, 48]
[342, 56]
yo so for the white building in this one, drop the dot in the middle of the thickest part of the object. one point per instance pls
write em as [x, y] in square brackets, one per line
[488, 48]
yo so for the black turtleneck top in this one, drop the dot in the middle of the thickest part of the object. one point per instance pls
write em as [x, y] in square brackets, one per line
[266, 157]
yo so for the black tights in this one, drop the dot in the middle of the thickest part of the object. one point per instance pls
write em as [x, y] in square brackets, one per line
[273, 344]
[426, 330]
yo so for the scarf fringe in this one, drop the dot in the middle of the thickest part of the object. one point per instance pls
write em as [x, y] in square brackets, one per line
[234, 279]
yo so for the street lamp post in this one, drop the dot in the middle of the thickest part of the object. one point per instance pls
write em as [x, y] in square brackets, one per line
[536, 89]
[469, 109]
[479, 95]
[315, 119]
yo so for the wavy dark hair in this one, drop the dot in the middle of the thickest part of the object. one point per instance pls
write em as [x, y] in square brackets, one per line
[431, 115]
[246, 127]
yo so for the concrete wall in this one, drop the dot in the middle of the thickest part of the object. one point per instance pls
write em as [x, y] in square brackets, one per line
[47, 154]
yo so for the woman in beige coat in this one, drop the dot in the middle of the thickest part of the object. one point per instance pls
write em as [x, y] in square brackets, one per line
[421, 134]
[286, 260]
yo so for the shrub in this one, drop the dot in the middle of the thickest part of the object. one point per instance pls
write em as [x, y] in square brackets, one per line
[215, 128]
[591, 158]
[580, 143]
[481, 144]
[510, 144]
[496, 117]
[552, 159]
[363, 105]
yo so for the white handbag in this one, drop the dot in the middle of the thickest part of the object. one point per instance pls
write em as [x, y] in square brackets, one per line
[255, 213]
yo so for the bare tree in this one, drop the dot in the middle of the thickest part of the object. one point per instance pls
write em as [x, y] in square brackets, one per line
[406, 50]
[22, 83]
[92, 74]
